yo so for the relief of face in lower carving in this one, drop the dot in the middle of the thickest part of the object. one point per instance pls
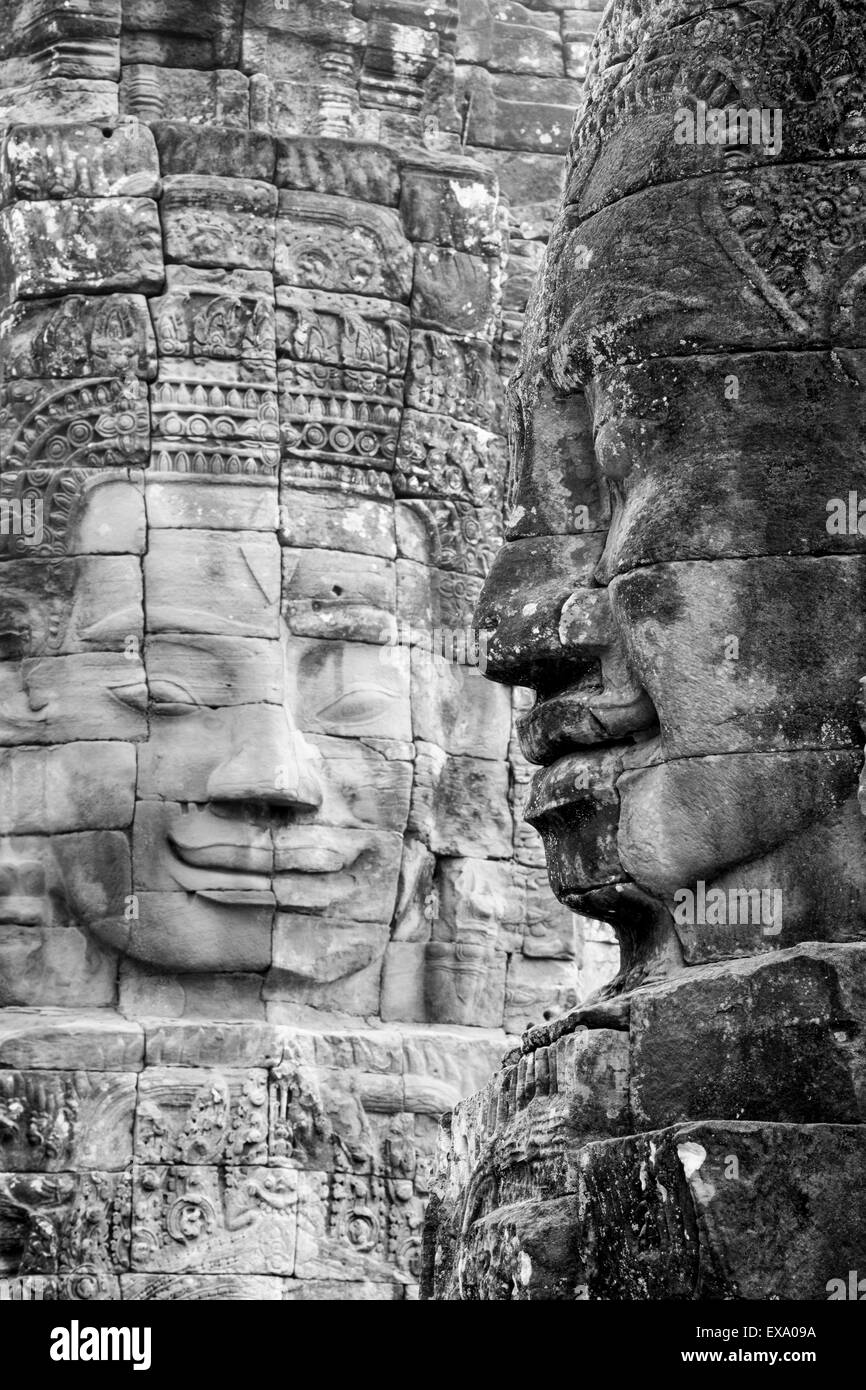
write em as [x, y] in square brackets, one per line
[670, 588]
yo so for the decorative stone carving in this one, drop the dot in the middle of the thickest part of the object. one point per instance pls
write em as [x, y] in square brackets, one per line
[329, 243]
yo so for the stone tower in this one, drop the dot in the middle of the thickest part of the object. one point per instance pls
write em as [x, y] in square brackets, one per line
[682, 583]
[267, 906]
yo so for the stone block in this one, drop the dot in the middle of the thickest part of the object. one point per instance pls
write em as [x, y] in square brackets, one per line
[182, 570]
[78, 336]
[455, 377]
[299, 996]
[347, 689]
[336, 872]
[356, 332]
[60, 1121]
[464, 983]
[776, 1040]
[237, 1220]
[81, 245]
[364, 782]
[74, 1224]
[52, 98]
[340, 416]
[358, 1230]
[65, 699]
[215, 999]
[188, 95]
[325, 242]
[338, 595]
[80, 161]
[403, 983]
[198, 1115]
[350, 168]
[537, 991]
[442, 458]
[75, 786]
[416, 896]
[320, 950]
[246, 503]
[211, 221]
[454, 707]
[456, 292]
[480, 902]
[87, 605]
[78, 424]
[455, 536]
[429, 598]
[328, 518]
[214, 671]
[211, 419]
[206, 1043]
[218, 315]
[220, 151]
[177, 33]
[109, 518]
[40, 1039]
[518, 112]
[199, 934]
[54, 967]
[454, 205]
[445, 796]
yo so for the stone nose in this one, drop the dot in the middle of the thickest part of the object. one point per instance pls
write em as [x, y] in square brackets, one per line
[269, 761]
[545, 622]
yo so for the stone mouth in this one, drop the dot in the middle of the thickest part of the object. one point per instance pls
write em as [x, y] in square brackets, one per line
[227, 857]
[247, 866]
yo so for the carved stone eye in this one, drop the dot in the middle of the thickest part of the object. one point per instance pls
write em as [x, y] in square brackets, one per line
[135, 695]
[361, 704]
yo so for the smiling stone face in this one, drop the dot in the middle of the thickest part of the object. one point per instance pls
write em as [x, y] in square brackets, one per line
[689, 404]
[252, 847]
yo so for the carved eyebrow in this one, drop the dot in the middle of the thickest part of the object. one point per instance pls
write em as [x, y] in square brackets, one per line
[196, 621]
[118, 624]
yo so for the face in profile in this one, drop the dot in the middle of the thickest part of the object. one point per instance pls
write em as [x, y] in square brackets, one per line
[670, 588]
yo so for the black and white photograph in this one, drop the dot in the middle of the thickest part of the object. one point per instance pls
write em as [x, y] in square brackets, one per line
[432, 674]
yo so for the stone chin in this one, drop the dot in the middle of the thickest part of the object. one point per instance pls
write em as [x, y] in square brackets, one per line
[626, 843]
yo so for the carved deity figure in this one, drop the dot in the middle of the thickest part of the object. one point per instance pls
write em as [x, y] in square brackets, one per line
[688, 404]
[251, 480]
[682, 584]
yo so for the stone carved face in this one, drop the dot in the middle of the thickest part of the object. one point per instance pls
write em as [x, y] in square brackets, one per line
[270, 769]
[669, 585]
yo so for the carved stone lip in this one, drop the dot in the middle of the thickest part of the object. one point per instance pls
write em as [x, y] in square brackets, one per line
[571, 720]
[307, 857]
[573, 778]
[559, 726]
[22, 911]
[227, 856]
